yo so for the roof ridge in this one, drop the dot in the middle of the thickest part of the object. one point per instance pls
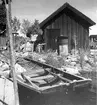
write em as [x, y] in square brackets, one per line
[67, 5]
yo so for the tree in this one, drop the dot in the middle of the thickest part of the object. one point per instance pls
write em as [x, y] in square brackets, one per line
[25, 26]
[34, 29]
[34, 33]
[3, 1]
[15, 24]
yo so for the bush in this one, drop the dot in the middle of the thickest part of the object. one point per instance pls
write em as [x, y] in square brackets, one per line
[55, 60]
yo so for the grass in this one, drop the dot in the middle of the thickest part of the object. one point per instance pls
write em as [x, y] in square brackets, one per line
[88, 68]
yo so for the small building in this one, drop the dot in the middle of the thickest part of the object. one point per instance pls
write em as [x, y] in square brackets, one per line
[61, 27]
[93, 41]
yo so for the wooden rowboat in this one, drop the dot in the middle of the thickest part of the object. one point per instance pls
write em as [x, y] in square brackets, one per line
[50, 79]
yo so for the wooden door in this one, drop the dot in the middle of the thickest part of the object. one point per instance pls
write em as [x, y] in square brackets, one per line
[52, 36]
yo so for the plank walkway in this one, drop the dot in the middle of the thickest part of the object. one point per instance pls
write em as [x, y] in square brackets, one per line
[6, 92]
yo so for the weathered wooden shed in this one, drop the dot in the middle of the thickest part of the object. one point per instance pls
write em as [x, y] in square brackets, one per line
[63, 25]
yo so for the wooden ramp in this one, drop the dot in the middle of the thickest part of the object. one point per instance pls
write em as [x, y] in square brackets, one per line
[6, 92]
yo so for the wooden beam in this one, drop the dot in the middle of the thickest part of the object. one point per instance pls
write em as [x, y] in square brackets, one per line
[12, 56]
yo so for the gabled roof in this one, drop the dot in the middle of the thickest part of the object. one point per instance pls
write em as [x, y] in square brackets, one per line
[67, 5]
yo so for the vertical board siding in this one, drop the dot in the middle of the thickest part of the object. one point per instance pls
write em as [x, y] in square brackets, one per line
[84, 38]
[87, 38]
[69, 34]
[46, 39]
[65, 25]
[53, 25]
[78, 37]
[61, 26]
[72, 33]
[57, 23]
[70, 27]
[81, 36]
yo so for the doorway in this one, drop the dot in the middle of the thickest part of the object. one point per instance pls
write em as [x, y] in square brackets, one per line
[52, 37]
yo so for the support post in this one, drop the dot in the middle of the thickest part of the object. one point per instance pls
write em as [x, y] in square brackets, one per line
[12, 56]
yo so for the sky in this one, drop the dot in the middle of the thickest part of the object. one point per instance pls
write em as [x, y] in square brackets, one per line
[40, 9]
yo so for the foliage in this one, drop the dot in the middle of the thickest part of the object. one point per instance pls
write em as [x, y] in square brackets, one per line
[34, 29]
[18, 41]
[15, 24]
[88, 70]
[55, 60]
[6, 1]
[2, 14]
[93, 45]
[25, 26]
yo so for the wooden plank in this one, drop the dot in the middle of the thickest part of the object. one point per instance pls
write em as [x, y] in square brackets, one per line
[52, 25]
[54, 86]
[42, 77]
[29, 86]
[61, 26]
[65, 25]
[35, 71]
[12, 59]
[2, 91]
[72, 33]
[58, 23]
[46, 39]
[62, 78]
[75, 24]
[81, 36]
[55, 24]
[84, 38]
[33, 75]
[40, 81]
[87, 38]
[69, 34]
[78, 38]
[6, 92]
[27, 79]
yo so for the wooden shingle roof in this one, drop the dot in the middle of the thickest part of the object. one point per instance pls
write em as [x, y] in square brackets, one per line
[75, 11]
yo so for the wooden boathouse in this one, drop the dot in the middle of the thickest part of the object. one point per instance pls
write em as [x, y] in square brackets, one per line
[61, 27]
